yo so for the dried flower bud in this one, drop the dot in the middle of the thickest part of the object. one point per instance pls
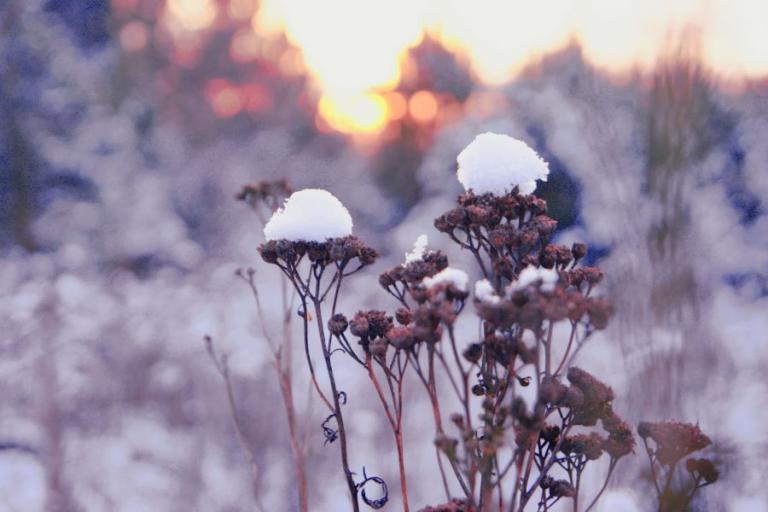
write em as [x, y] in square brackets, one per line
[545, 225]
[563, 255]
[528, 237]
[588, 445]
[473, 352]
[644, 429]
[592, 275]
[378, 347]
[359, 325]
[550, 434]
[401, 337]
[478, 214]
[578, 250]
[447, 445]
[317, 251]
[367, 255]
[600, 311]
[458, 420]
[551, 391]
[537, 205]
[597, 397]
[336, 251]
[498, 238]
[620, 441]
[562, 489]
[403, 316]
[386, 280]
[705, 468]
[455, 217]
[268, 252]
[337, 324]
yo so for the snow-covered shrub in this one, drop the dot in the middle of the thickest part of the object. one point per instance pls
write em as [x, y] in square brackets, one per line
[522, 421]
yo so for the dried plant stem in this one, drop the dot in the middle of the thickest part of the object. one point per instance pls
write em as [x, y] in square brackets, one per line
[431, 388]
[567, 350]
[282, 363]
[605, 485]
[222, 367]
[297, 452]
[395, 422]
[336, 406]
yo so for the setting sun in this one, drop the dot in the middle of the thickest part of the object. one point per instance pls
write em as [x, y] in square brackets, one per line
[354, 48]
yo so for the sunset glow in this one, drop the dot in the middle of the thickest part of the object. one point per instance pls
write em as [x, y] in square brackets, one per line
[354, 50]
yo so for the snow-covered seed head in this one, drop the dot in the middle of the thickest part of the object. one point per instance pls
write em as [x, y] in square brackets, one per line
[448, 276]
[310, 215]
[531, 275]
[485, 293]
[495, 164]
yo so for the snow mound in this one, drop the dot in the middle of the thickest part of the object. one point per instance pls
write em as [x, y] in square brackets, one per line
[531, 275]
[419, 248]
[458, 278]
[311, 215]
[495, 164]
[484, 292]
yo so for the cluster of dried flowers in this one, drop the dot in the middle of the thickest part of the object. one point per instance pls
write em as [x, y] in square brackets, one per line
[498, 450]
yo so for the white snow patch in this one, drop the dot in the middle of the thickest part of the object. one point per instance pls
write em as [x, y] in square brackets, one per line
[495, 163]
[531, 275]
[448, 275]
[419, 248]
[484, 292]
[311, 215]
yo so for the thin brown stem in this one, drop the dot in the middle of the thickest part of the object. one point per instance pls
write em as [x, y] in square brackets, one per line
[336, 408]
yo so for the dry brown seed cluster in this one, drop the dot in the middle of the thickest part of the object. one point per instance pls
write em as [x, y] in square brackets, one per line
[620, 440]
[595, 400]
[589, 445]
[334, 250]
[674, 440]
[703, 468]
[412, 273]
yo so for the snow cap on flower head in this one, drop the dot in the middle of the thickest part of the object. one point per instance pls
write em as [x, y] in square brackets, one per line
[484, 292]
[448, 276]
[310, 215]
[419, 248]
[495, 164]
[531, 275]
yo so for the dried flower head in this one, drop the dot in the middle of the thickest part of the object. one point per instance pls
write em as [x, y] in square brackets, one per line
[674, 440]
[597, 397]
[269, 193]
[589, 445]
[562, 489]
[703, 468]
[620, 440]
[340, 251]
